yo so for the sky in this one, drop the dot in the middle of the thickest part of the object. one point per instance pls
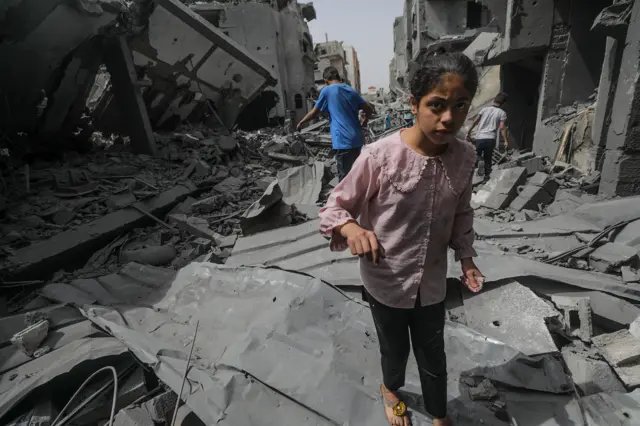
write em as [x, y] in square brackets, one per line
[367, 25]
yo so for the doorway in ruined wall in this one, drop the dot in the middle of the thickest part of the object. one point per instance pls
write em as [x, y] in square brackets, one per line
[521, 81]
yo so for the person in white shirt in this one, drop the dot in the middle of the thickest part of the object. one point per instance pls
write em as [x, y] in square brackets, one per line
[489, 121]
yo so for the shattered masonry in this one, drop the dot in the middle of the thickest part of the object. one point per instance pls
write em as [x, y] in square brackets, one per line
[151, 181]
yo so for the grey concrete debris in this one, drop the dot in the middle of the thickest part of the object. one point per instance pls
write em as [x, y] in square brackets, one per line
[501, 189]
[611, 256]
[590, 373]
[484, 391]
[154, 255]
[577, 315]
[29, 339]
[513, 314]
[622, 351]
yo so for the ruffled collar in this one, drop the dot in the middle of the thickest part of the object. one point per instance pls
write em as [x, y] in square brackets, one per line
[404, 168]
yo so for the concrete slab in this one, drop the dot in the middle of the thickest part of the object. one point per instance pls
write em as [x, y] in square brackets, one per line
[501, 189]
[547, 227]
[622, 351]
[513, 314]
[611, 256]
[73, 248]
[610, 212]
[591, 375]
[629, 235]
[500, 267]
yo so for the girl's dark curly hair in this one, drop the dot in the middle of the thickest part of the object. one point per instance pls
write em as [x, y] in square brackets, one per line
[427, 77]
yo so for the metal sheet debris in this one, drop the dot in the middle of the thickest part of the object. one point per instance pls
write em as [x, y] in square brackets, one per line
[265, 322]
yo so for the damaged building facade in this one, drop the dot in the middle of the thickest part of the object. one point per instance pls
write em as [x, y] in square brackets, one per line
[571, 71]
[157, 64]
[278, 35]
[331, 54]
[429, 27]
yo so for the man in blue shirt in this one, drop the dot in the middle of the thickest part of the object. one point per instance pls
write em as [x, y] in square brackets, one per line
[343, 104]
[387, 120]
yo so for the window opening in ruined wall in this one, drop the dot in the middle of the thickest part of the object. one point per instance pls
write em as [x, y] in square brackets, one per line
[474, 14]
[298, 101]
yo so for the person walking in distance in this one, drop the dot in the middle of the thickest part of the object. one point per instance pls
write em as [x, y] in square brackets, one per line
[489, 121]
[343, 104]
[407, 201]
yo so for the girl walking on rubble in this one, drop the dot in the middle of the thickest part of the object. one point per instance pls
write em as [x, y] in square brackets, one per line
[411, 192]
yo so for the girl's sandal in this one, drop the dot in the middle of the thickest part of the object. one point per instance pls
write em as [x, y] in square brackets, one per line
[398, 408]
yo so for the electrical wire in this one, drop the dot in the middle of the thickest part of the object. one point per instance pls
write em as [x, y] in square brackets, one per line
[115, 395]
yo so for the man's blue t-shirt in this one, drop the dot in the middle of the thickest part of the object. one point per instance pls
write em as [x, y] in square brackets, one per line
[387, 121]
[343, 103]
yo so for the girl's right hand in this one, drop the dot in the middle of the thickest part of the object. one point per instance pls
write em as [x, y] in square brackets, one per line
[362, 242]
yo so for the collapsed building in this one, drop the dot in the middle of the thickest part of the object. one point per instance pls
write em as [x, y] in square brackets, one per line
[279, 37]
[197, 276]
[571, 72]
[157, 64]
[430, 27]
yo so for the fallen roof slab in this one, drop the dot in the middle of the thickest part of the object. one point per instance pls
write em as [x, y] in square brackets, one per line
[513, 314]
[266, 326]
[70, 248]
[499, 267]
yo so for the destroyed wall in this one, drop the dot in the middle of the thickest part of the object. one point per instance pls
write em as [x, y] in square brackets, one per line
[571, 71]
[353, 67]
[183, 58]
[330, 54]
[278, 38]
[36, 63]
[621, 168]
[398, 65]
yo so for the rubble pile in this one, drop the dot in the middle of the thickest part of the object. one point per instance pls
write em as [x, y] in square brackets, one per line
[221, 176]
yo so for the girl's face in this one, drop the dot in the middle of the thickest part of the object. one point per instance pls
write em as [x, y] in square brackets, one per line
[441, 113]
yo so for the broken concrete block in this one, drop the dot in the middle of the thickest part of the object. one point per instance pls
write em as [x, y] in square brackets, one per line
[501, 189]
[485, 391]
[532, 165]
[195, 226]
[120, 201]
[229, 185]
[629, 275]
[622, 351]
[513, 314]
[29, 339]
[227, 143]
[538, 193]
[591, 375]
[577, 315]
[197, 169]
[154, 255]
[611, 256]
[629, 234]
[208, 205]
[62, 216]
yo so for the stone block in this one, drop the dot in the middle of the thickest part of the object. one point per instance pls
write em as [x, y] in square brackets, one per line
[591, 375]
[208, 205]
[230, 184]
[611, 256]
[501, 189]
[622, 351]
[531, 198]
[532, 165]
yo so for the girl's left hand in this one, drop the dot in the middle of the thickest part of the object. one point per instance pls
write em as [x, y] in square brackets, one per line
[472, 278]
